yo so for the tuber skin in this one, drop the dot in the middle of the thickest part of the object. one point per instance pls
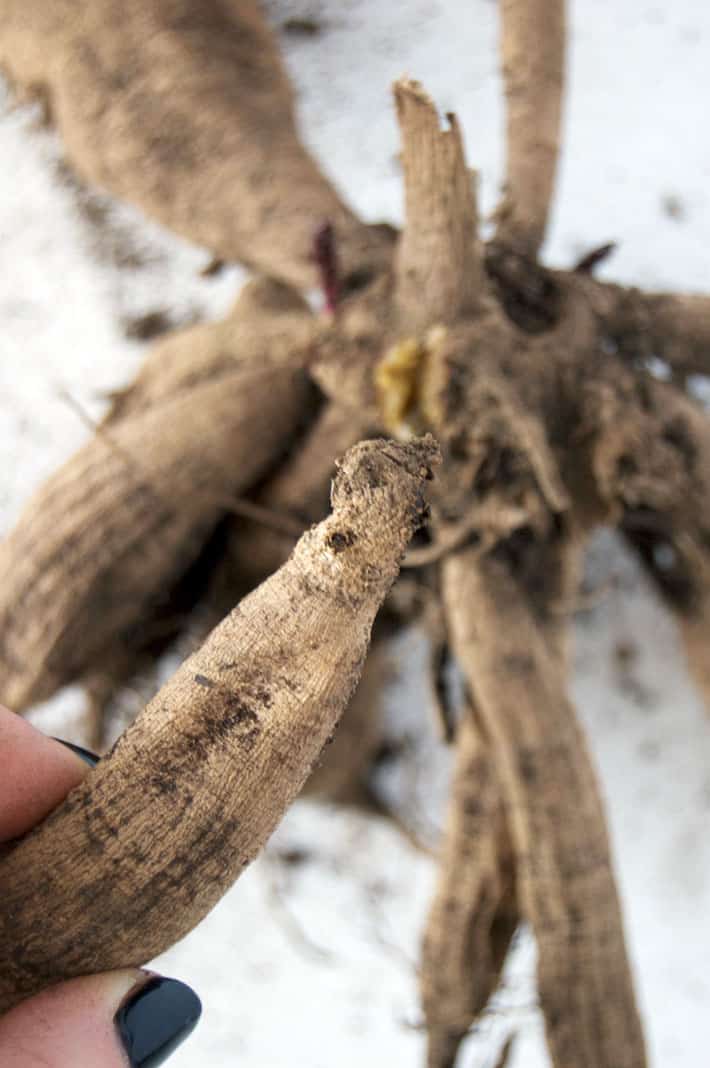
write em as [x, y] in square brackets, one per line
[342, 773]
[185, 109]
[101, 541]
[148, 843]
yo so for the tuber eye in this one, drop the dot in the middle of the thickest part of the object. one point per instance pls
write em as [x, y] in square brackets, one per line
[339, 540]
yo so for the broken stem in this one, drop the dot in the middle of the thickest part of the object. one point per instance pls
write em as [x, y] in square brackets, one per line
[439, 265]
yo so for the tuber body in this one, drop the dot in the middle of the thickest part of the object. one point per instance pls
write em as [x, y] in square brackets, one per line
[143, 848]
[106, 537]
[185, 109]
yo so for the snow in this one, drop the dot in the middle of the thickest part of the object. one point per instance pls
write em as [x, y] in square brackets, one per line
[311, 959]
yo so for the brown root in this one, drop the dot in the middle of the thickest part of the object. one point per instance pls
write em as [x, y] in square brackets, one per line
[562, 856]
[113, 530]
[680, 571]
[651, 462]
[445, 712]
[187, 112]
[533, 55]
[673, 327]
[695, 634]
[149, 842]
[474, 914]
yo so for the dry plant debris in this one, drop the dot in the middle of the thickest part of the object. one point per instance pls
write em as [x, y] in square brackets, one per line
[537, 385]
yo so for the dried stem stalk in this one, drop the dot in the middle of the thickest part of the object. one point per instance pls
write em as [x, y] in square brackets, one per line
[533, 56]
[147, 844]
[439, 264]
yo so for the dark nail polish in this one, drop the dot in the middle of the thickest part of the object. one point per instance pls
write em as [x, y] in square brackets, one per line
[90, 758]
[156, 1019]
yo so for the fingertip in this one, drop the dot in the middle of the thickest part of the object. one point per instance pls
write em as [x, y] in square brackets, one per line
[70, 1024]
[89, 758]
[155, 1019]
[122, 1019]
[38, 773]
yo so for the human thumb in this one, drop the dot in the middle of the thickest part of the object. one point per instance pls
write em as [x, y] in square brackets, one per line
[112, 1020]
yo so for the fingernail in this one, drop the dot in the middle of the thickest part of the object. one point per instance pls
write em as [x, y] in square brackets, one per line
[156, 1020]
[86, 755]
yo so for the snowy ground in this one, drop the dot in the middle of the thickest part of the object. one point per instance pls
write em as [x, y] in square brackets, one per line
[311, 959]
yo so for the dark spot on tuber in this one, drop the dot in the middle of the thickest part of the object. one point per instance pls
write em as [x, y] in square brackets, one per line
[526, 765]
[371, 473]
[202, 680]
[626, 466]
[473, 807]
[236, 714]
[357, 280]
[519, 663]
[338, 541]
[163, 784]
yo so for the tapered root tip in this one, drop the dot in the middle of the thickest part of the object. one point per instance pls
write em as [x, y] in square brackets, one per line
[395, 467]
[379, 500]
